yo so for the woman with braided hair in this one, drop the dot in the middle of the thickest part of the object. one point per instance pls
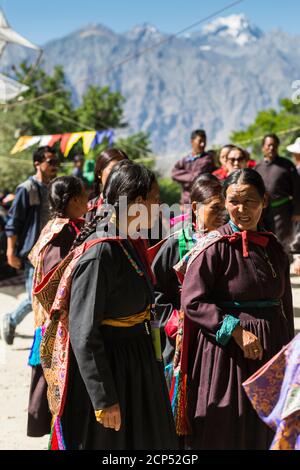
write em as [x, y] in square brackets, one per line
[68, 202]
[112, 394]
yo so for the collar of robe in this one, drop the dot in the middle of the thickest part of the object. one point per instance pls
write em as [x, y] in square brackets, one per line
[77, 224]
[258, 238]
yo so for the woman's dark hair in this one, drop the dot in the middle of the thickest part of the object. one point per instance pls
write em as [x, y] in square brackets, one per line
[245, 176]
[227, 147]
[102, 162]
[126, 179]
[61, 191]
[205, 187]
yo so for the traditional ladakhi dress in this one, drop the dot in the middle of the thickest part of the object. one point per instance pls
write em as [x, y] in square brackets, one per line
[167, 285]
[53, 245]
[238, 278]
[102, 353]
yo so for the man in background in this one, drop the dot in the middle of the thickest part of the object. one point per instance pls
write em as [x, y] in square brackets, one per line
[25, 220]
[187, 170]
[283, 185]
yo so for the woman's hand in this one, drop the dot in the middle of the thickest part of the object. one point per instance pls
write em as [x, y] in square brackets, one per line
[249, 343]
[14, 261]
[111, 417]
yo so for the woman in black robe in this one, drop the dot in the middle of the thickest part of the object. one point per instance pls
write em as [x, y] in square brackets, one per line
[237, 299]
[117, 398]
[208, 213]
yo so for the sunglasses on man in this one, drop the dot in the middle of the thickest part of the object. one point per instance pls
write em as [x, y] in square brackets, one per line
[52, 161]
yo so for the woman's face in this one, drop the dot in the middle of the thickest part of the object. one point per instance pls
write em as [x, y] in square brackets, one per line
[223, 156]
[235, 161]
[106, 172]
[211, 214]
[142, 209]
[77, 206]
[244, 205]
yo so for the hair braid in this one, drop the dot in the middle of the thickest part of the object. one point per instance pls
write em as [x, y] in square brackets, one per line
[87, 230]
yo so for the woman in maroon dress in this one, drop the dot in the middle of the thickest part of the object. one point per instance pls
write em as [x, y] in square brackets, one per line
[238, 313]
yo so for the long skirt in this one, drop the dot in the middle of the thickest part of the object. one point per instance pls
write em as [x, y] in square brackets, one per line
[220, 414]
[39, 416]
[147, 421]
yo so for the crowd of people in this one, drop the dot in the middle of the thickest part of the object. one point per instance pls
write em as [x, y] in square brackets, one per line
[148, 347]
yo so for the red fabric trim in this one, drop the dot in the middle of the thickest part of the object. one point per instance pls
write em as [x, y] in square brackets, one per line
[141, 247]
[254, 237]
[153, 250]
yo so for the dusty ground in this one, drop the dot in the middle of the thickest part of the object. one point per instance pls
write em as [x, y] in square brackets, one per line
[15, 375]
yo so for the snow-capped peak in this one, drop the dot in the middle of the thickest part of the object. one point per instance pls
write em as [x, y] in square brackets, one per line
[144, 31]
[236, 27]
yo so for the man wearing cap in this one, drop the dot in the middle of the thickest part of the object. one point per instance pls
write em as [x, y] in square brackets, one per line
[283, 185]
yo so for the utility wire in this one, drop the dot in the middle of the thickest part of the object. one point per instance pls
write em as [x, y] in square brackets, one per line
[138, 54]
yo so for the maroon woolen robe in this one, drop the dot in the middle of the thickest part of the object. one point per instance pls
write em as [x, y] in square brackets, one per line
[218, 409]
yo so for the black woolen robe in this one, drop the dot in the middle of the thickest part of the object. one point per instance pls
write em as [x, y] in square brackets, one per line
[167, 290]
[112, 365]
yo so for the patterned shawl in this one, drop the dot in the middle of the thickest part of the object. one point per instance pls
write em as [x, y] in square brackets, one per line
[274, 391]
[54, 294]
[36, 256]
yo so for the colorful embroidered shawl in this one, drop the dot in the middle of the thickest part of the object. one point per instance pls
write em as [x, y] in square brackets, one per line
[274, 392]
[54, 294]
[36, 256]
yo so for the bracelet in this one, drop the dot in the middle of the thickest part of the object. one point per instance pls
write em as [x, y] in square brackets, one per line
[230, 323]
[99, 415]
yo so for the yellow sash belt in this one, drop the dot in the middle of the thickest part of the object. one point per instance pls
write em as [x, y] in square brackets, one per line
[127, 322]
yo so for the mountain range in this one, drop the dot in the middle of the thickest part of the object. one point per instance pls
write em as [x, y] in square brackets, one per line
[217, 78]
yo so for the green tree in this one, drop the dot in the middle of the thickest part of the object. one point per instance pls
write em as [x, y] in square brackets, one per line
[47, 108]
[54, 112]
[101, 109]
[137, 147]
[284, 122]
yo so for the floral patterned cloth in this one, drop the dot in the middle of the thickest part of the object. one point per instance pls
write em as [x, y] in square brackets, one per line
[274, 392]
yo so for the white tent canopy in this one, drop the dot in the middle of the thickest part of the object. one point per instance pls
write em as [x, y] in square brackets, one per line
[10, 89]
[9, 35]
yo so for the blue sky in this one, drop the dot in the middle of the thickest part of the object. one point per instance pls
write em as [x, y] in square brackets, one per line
[41, 21]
